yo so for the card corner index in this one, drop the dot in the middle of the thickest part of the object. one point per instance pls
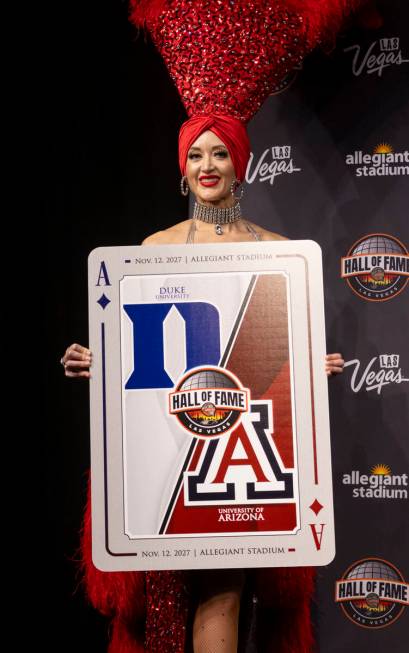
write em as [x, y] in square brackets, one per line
[329, 557]
[103, 560]
[96, 254]
[313, 247]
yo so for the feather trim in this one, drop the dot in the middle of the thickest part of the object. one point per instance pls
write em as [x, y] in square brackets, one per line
[324, 18]
[143, 11]
[284, 617]
[110, 592]
[124, 639]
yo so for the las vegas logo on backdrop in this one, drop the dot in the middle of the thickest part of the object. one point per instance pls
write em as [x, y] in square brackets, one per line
[379, 372]
[378, 57]
[273, 162]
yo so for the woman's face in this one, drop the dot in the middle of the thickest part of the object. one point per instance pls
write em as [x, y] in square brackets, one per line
[209, 169]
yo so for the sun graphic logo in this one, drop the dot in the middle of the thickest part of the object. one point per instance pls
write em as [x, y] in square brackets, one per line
[383, 148]
[372, 593]
[381, 470]
[376, 267]
[208, 401]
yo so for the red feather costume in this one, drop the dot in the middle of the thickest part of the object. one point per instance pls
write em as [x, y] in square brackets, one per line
[226, 57]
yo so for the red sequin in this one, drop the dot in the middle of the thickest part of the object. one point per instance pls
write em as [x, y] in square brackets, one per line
[225, 56]
[166, 611]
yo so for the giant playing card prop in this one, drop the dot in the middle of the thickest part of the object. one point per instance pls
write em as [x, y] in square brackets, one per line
[209, 409]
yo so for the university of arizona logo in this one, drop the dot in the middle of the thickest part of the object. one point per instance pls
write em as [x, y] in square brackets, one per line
[244, 468]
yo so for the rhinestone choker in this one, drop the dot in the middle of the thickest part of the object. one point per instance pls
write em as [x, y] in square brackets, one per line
[216, 215]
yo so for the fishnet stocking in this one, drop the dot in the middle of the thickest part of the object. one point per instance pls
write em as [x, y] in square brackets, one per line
[215, 626]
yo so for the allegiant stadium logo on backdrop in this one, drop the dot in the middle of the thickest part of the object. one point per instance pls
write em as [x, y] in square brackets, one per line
[380, 371]
[380, 55]
[376, 267]
[380, 483]
[383, 162]
[208, 401]
[274, 161]
[372, 593]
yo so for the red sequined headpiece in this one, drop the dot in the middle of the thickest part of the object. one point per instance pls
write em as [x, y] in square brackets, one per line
[227, 56]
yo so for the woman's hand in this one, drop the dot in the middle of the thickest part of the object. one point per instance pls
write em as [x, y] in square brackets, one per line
[76, 361]
[334, 364]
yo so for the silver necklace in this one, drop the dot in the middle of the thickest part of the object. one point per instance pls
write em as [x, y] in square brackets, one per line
[192, 229]
[216, 215]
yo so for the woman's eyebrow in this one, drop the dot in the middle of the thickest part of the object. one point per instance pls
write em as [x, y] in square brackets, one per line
[215, 147]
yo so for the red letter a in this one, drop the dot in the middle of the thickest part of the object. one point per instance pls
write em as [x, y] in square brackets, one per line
[251, 460]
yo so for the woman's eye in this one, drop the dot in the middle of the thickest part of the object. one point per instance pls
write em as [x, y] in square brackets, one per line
[222, 154]
[193, 156]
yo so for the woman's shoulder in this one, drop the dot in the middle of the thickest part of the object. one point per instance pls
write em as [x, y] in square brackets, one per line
[267, 235]
[176, 234]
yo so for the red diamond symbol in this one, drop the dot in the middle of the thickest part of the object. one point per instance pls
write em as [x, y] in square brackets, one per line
[316, 506]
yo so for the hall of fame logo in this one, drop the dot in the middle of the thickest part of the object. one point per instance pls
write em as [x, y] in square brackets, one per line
[208, 401]
[376, 267]
[372, 593]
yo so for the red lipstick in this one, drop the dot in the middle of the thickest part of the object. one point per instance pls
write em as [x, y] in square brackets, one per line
[209, 180]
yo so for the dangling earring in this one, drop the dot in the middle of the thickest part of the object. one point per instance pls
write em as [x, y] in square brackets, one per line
[184, 186]
[234, 186]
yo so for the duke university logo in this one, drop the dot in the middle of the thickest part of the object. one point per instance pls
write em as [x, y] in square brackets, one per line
[201, 327]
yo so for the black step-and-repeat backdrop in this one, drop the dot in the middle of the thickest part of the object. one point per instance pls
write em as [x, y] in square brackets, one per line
[330, 162]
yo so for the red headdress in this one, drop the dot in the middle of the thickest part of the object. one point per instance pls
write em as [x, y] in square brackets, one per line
[227, 56]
